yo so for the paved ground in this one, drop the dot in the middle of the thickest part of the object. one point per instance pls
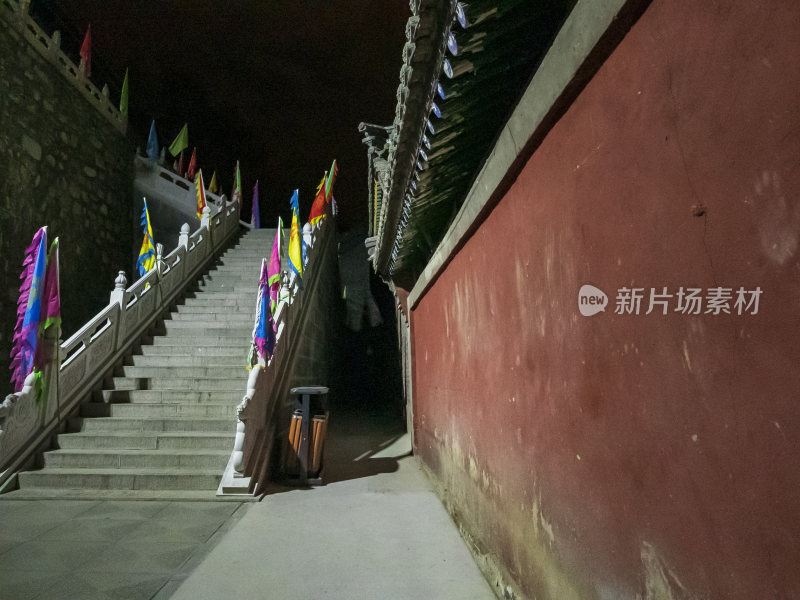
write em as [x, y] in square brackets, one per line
[106, 549]
[374, 531]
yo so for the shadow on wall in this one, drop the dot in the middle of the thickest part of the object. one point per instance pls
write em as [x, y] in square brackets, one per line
[367, 375]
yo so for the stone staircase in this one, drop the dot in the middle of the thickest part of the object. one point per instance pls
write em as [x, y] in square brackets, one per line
[165, 423]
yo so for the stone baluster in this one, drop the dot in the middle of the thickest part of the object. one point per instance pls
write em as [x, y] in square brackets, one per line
[118, 296]
[24, 7]
[307, 240]
[206, 220]
[241, 420]
[160, 264]
[183, 238]
[55, 45]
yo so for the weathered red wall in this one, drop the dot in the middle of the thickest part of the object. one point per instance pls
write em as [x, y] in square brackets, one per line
[616, 455]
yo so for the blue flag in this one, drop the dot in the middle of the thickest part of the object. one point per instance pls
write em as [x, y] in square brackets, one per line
[147, 253]
[152, 143]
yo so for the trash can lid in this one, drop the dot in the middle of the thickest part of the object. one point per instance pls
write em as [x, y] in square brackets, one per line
[311, 390]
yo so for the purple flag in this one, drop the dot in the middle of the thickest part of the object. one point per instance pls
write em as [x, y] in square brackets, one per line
[274, 271]
[29, 305]
[255, 218]
[264, 334]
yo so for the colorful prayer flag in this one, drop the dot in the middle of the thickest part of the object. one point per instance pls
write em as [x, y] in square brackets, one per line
[51, 307]
[274, 270]
[264, 331]
[201, 193]
[318, 207]
[236, 193]
[255, 214]
[213, 187]
[329, 181]
[86, 52]
[177, 165]
[296, 238]
[29, 305]
[147, 253]
[123, 97]
[190, 171]
[152, 143]
[181, 141]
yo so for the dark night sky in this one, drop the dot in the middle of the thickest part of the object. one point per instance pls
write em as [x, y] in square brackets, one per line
[281, 86]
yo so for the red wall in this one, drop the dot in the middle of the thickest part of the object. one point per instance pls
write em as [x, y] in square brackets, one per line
[617, 455]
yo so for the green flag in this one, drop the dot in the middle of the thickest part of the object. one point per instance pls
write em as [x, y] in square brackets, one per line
[181, 142]
[123, 98]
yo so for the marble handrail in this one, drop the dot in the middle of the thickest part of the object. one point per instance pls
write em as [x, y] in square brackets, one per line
[93, 351]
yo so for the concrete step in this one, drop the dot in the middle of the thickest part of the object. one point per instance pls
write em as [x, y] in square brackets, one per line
[217, 410]
[235, 323]
[232, 359]
[200, 384]
[205, 371]
[191, 342]
[127, 479]
[132, 425]
[168, 347]
[192, 311]
[148, 440]
[221, 300]
[127, 459]
[90, 494]
[158, 396]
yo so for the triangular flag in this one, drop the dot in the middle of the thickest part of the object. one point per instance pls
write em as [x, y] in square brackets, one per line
[296, 238]
[147, 253]
[86, 52]
[236, 193]
[318, 207]
[213, 187]
[264, 331]
[29, 305]
[123, 97]
[255, 214]
[329, 181]
[152, 143]
[190, 172]
[181, 141]
[177, 165]
[201, 193]
[50, 318]
[274, 271]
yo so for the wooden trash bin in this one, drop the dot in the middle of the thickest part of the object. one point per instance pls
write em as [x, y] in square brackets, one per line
[302, 459]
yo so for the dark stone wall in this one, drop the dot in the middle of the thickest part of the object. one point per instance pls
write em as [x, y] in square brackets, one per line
[648, 456]
[62, 164]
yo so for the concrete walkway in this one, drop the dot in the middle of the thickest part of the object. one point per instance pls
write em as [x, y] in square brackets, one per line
[93, 550]
[374, 531]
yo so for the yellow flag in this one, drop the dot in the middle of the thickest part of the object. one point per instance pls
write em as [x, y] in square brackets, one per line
[295, 239]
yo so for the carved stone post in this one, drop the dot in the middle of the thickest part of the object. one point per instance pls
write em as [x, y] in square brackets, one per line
[183, 238]
[118, 296]
[160, 265]
[241, 419]
[308, 241]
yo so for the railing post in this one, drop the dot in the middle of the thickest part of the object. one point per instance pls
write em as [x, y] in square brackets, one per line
[24, 7]
[118, 296]
[206, 220]
[183, 238]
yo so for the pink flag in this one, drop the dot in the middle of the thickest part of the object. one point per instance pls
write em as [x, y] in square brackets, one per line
[86, 51]
[274, 271]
